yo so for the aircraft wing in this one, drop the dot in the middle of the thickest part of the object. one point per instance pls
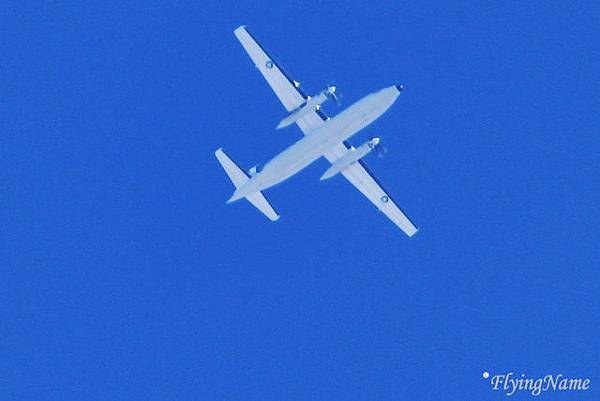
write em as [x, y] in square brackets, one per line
[287, 90]
[284, 87]
[291, 96]
[363, 180]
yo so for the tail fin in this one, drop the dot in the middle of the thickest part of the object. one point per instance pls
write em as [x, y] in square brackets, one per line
[238, 177]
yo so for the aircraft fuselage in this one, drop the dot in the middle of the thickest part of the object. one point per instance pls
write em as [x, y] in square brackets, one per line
[308, 149]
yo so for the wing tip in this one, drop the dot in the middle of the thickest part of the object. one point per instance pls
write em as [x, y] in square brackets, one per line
[412, 233]
[240, 28]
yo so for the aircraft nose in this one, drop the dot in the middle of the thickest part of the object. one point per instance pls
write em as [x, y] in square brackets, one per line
[400, 87]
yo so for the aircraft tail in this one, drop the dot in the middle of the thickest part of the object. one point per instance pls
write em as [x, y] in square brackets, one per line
[238, 177]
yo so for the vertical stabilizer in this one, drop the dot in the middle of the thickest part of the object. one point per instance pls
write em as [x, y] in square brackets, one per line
[238, 177]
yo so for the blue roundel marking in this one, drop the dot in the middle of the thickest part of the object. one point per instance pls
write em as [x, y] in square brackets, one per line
[269, 64]
[385, 199]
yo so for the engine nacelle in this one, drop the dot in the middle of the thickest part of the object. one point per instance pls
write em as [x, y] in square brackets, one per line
[311, 104]
[350, 157]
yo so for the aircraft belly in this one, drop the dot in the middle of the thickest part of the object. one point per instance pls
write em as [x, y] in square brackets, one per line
[311, 147]
[290, 161]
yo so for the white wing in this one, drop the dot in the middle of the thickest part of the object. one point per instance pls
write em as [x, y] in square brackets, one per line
[363, 180]
[286, 89]
[291, 96]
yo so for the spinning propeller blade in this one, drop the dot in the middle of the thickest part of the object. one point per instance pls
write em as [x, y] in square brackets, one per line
[332, 94]
[381, 151]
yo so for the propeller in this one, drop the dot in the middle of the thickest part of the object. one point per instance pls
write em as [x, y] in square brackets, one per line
[375, 144]
[381, 150]
[331, 92]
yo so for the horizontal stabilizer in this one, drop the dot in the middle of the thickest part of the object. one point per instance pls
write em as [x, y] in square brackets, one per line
[261, 203]
[238, 177]
[236, 174]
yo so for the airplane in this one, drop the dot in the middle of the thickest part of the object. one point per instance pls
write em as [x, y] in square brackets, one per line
[323, 137]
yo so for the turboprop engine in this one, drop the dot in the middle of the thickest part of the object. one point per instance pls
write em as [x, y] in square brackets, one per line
[350, 157]
[311, 104]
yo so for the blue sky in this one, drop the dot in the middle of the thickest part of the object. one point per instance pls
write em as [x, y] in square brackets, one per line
[126, 276]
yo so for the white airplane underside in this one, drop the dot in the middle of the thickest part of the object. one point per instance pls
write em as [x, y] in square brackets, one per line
[324, 137]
